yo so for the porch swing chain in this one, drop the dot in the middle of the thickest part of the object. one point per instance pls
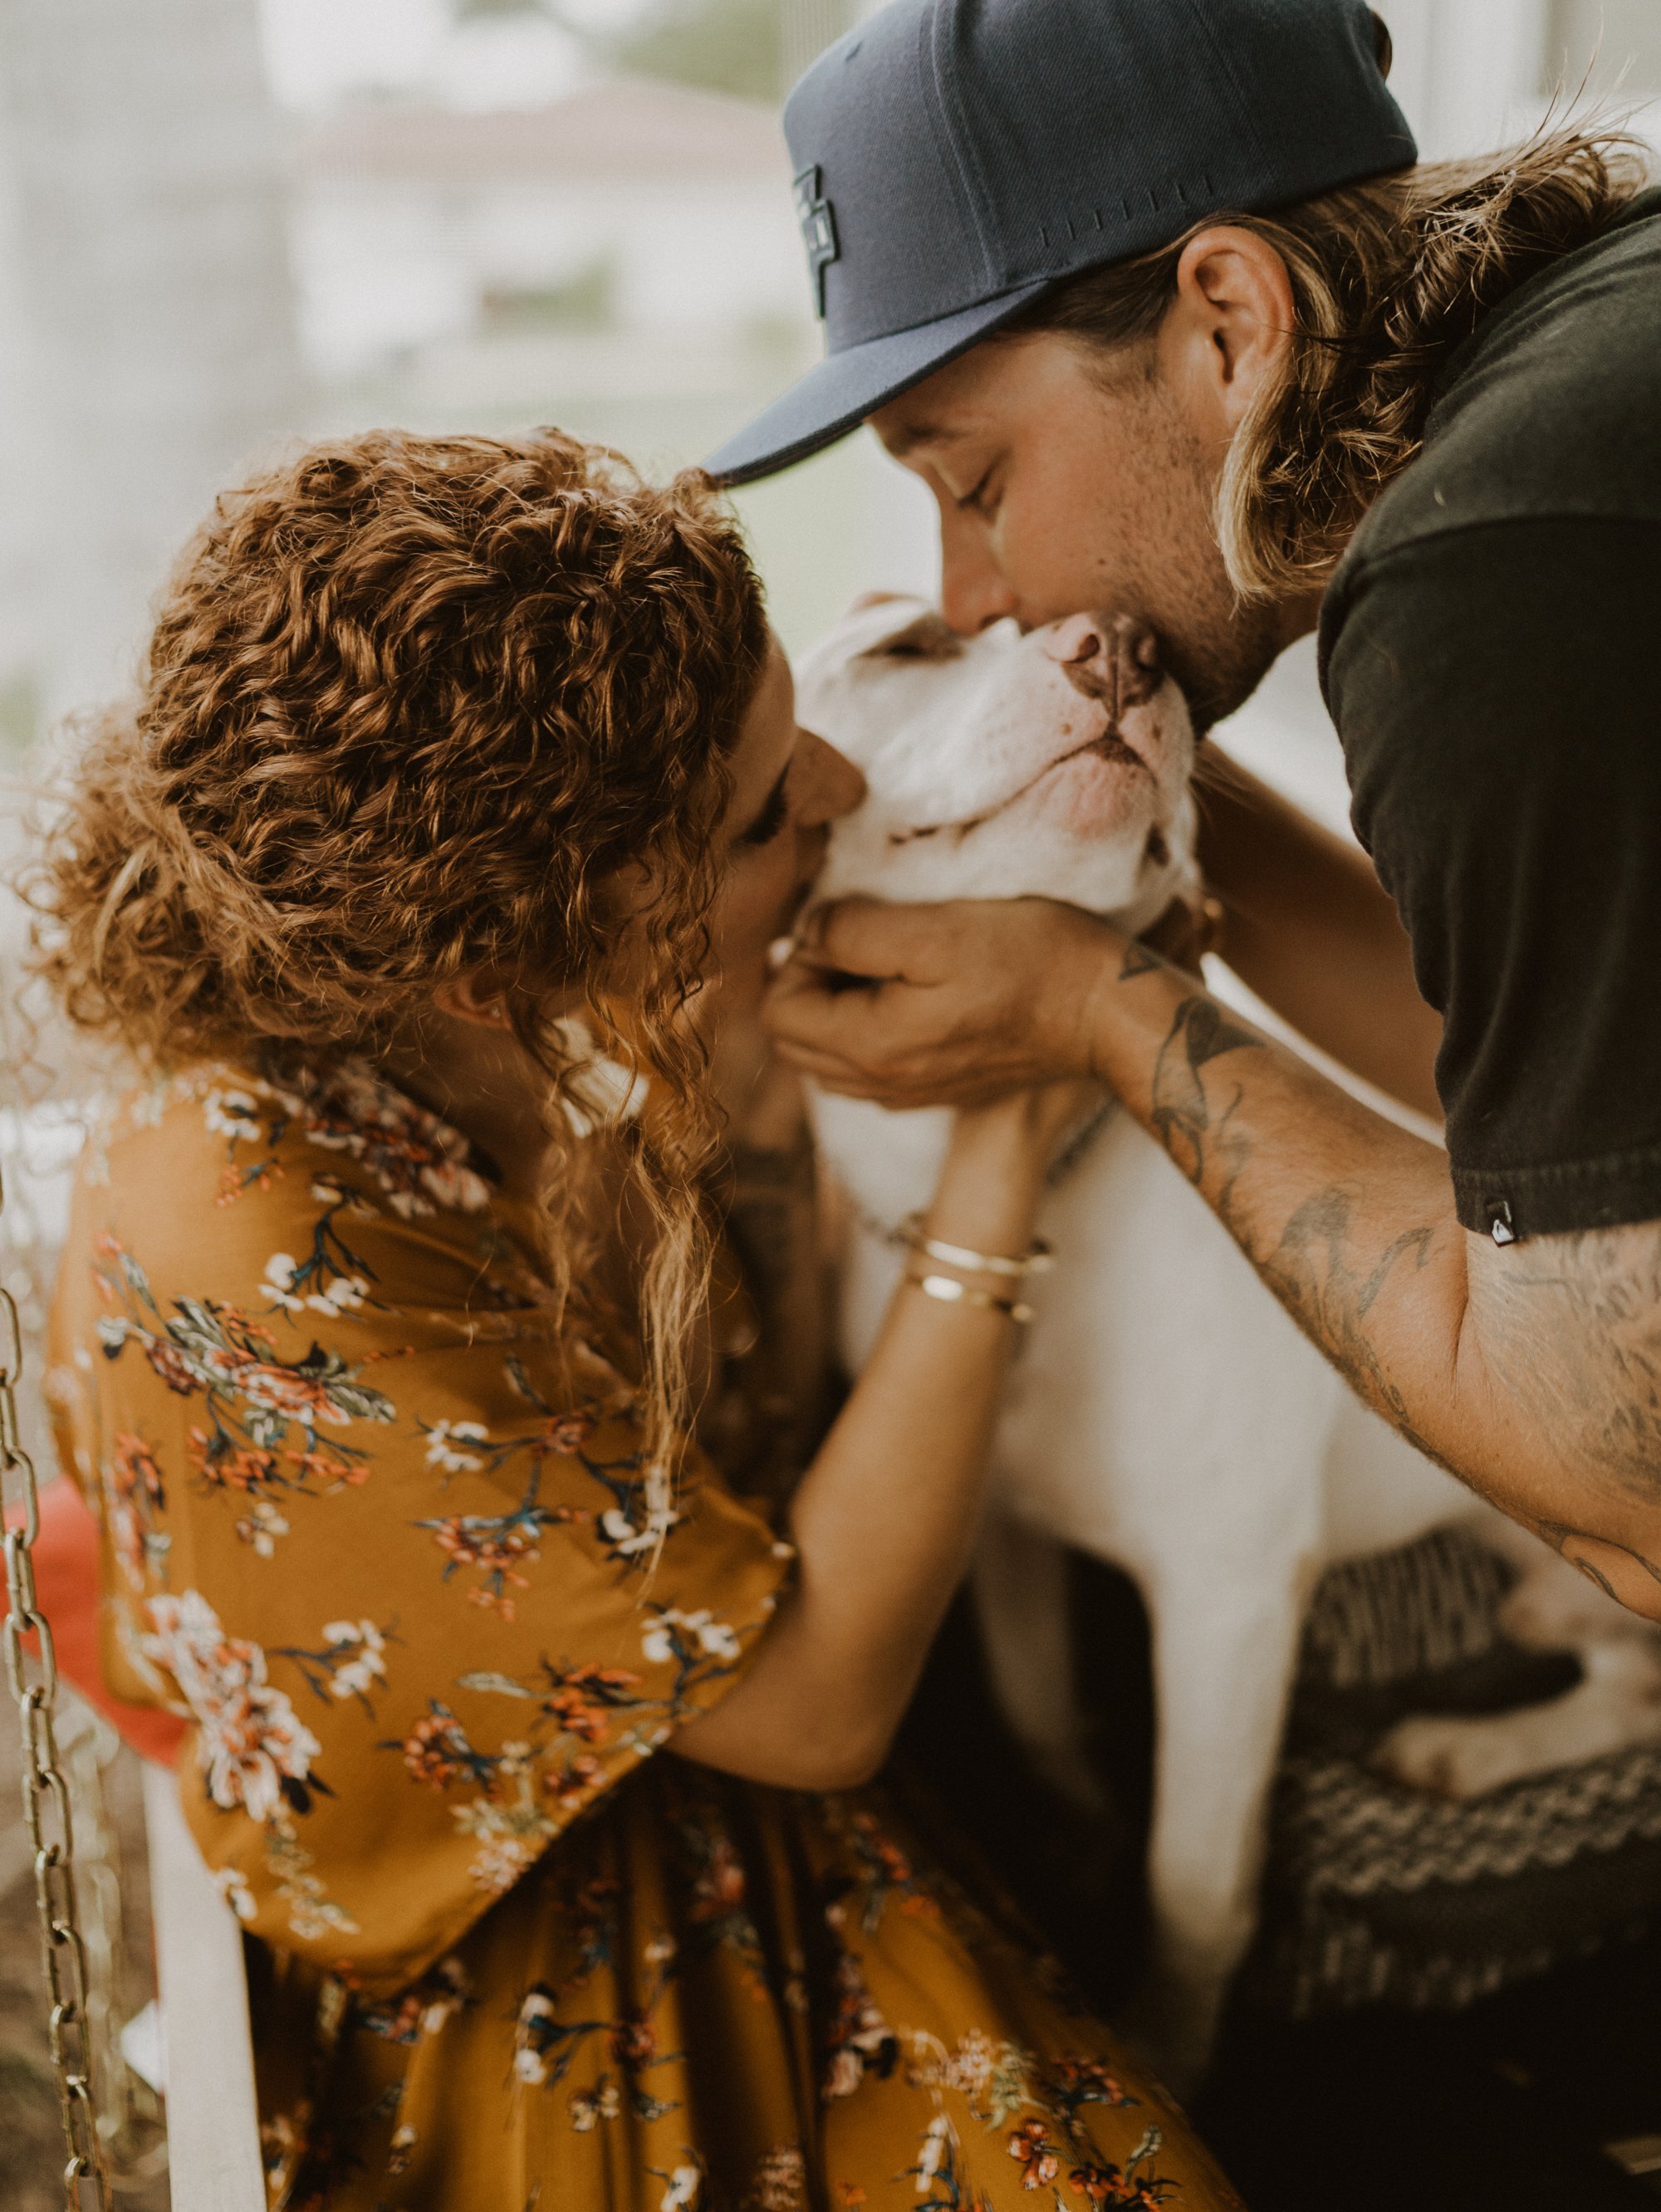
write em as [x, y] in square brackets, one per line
[86, 2183]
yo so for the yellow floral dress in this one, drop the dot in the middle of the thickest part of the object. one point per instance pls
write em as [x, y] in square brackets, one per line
[381, 1532]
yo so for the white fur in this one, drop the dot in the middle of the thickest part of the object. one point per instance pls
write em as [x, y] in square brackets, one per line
[1163, 1412]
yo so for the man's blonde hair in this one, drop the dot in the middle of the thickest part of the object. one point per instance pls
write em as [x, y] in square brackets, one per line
[1389, 277]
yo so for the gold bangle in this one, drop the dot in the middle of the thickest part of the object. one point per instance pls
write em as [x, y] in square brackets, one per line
[1038, 1260]
[951, 1292]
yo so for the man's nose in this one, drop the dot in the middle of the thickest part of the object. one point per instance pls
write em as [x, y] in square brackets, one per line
[974, 593]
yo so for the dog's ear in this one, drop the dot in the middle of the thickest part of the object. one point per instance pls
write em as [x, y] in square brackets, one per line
[925, 637]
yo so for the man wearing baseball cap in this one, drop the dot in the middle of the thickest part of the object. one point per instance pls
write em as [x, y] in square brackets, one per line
[1154, 297]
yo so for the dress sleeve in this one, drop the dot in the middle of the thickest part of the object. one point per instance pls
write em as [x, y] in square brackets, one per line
[400, 1561]
[1496, 693]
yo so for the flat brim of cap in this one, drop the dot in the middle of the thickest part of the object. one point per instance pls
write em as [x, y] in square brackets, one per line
[836, 396]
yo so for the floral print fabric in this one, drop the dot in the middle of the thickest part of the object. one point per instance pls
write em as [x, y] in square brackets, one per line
[383, 1532]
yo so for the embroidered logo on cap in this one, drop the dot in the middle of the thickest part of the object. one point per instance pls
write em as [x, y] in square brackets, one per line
[819, 231]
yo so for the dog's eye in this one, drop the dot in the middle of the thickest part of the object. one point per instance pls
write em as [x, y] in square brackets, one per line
[1158, 855]
[930, 637]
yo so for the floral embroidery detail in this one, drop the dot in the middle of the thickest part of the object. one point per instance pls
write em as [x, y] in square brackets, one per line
[233, 1113]
[1120, 2186]
[261, 1526]
[938, 2183]
[253, 1748]
[1030, 2143]
[286, 1278]
[136, 1496]
[663, 1642]
[233, 1887]
[436, 1750]
[536, 2033]
[420, 1162]
[502, 1855]
[350, 1663]
[780, 2182]
[860, 2042]
[496, 1543]
[589, 2108]
[312, 1913]
[996, 2080]
[423, 2008]
[1073, 2083]
[511, 1832]
[252, 1400]
[443, 1436]
[630, 1526]
[885, 1871]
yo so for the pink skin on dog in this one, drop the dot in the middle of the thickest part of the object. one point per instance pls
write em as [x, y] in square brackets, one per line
[1068, 749]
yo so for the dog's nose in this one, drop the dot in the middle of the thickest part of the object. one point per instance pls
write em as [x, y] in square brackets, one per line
[1113, 659]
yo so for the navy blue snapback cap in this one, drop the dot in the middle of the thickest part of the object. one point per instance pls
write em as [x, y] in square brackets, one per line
[953, 159]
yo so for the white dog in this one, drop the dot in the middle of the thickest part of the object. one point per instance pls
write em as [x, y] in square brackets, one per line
[1163, 1412]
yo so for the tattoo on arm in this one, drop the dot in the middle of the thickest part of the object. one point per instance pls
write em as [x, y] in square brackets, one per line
[1566, 1329]
[1181, 1117]
[1311, 1271]
[1140, 959]
[1572, 1327]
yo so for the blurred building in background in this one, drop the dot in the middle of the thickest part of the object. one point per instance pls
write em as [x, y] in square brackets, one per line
[228, 224]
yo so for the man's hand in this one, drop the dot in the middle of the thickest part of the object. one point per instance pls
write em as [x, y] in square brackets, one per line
[942, 1006]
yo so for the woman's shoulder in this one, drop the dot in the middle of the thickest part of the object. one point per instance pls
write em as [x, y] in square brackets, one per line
[312, 1183]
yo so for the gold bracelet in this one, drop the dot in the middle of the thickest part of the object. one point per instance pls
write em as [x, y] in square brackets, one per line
[1038, 1260]
[951, 1292]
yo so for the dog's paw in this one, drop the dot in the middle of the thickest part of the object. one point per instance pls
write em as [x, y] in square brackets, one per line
[1449, 1758]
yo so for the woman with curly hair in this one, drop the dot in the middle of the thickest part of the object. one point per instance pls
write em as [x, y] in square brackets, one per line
[431, 882]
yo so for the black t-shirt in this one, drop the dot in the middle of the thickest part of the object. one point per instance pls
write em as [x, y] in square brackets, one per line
[1491, 653]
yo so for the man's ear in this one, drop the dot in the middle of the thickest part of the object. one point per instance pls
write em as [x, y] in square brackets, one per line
[475, 998]
[1231, 320]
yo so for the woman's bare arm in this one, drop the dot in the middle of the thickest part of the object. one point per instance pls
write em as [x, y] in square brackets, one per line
[1312, 932]
[883, 1519]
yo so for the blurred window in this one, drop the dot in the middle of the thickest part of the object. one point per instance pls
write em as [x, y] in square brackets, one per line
[1614, 44]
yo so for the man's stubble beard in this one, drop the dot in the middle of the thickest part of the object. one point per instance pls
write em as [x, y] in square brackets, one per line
[1217, 646]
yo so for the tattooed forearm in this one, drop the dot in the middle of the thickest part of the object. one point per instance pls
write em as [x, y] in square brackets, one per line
[1183, 1116]
[1313, 1267]
[1591, 1554]
[1314, 1272]
[1532, 1372]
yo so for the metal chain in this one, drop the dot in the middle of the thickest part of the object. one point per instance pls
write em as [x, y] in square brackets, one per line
[129, 2114]
[46, 1802]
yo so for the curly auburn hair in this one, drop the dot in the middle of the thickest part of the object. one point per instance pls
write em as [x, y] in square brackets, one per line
[408, 707]
[1388, 277]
